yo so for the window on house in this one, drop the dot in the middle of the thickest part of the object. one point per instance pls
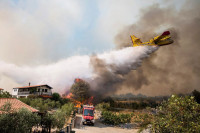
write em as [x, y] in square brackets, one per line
[38, 90]
[45, 90]
[42, 90]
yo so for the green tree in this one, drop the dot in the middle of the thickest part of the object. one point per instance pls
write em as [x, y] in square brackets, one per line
[58, 118]
[21, 121]
[103, 106]
[56, 96]
[80, 91]
[64, 101]
[55, 120]
[41, 104]
[5, 94]
[67, 109]
[178, 114]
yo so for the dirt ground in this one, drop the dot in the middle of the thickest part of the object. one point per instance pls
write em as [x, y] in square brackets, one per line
[98, 128]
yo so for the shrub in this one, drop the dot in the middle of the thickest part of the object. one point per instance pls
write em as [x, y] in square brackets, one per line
[178, 114]
[116, 118]
[41, 104]
[103, 106]
[56, 96]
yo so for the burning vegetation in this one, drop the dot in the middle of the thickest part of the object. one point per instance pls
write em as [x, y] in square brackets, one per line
[80, 93]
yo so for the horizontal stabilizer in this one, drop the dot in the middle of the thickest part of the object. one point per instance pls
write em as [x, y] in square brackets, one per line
[136, 41]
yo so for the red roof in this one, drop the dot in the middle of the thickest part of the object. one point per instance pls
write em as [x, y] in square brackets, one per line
[34, 86]
[1, 89]
[16, 104]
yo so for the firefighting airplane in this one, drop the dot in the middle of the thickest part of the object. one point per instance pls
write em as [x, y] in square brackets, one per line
[161, 40]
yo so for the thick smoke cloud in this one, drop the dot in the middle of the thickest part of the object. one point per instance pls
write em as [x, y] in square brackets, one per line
[174, 68]
[110, 69]
[102, 71]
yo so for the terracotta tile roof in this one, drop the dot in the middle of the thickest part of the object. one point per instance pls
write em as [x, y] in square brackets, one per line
[34, 86]
[1, 89]
[16, 104]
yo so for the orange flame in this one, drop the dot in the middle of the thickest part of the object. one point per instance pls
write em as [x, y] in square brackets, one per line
[78, 103]
[69, 96]
[77, 80]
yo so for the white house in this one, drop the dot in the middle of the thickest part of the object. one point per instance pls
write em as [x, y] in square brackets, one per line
[38, 90]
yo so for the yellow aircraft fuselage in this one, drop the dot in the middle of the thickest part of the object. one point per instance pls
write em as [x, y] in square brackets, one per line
[161, 40]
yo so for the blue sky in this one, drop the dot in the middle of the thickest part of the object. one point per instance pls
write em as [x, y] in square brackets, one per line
[82, 38]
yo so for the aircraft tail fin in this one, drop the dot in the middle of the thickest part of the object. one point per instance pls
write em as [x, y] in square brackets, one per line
[136, 41]
[166, 33]
[163, 36]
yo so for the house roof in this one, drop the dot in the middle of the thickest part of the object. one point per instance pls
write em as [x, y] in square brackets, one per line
[1, 89]
[35, 86]
[16, 104]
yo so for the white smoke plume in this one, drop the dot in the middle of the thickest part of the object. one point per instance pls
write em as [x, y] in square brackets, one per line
[60, 75]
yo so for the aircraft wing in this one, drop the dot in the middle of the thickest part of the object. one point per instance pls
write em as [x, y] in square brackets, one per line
[163, 36]
[136, 41]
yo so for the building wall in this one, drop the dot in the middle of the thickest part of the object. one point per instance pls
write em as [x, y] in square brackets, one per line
[15, 91]
[44, 90]
[24, 92]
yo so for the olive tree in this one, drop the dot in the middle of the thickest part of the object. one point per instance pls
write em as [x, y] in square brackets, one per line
[5, 94]
[21, 121]
[178, 114]
[58, 118]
